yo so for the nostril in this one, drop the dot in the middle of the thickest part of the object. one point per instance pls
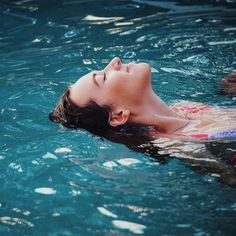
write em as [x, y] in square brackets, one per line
[118, 63]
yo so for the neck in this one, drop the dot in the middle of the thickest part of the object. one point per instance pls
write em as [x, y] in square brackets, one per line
[154, 112]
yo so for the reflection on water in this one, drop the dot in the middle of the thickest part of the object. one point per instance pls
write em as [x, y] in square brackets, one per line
[215, 159]
[62, 182]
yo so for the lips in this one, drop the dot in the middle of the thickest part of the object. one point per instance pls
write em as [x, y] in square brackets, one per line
[129, 67]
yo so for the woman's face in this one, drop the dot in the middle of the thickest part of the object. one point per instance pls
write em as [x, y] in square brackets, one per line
[117, 85]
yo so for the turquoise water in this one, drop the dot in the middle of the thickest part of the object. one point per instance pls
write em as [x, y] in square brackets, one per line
[56, 181]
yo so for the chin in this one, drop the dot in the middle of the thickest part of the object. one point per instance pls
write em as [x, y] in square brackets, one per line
[146, 67]
[144, 70]
[142, 76]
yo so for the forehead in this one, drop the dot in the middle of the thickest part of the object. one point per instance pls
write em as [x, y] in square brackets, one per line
[81, 90]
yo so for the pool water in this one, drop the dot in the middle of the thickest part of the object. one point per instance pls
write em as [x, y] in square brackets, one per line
[56, 181]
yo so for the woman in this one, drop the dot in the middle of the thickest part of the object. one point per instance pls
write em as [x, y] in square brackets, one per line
[121, 95]
[118, 103]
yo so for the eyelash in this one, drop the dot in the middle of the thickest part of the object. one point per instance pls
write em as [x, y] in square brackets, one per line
[104, 76]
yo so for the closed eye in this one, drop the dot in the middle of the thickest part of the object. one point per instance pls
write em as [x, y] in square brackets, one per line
[94, 80]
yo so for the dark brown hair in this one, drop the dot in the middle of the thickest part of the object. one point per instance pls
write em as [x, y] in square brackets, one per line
[94, 118]
[91, 117]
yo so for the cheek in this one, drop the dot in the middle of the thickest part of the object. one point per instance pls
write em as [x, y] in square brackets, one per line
[113, 91]
[116, 87]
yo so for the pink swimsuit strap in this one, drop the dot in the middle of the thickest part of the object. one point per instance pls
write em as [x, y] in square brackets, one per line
[194, 109]
[200, 135]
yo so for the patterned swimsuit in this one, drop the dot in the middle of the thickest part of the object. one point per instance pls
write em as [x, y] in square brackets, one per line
[229, 133]
[190, 111]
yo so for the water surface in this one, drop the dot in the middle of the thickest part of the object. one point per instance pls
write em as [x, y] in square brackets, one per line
[55, 181]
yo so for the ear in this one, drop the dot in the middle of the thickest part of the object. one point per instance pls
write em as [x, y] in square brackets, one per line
[118, 117]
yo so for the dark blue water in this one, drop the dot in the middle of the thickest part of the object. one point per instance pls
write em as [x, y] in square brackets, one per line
[55, 181]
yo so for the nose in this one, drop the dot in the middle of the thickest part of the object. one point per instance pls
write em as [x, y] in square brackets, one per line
[114, 64]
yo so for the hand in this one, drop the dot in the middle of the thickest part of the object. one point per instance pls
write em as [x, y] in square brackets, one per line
[228, 84]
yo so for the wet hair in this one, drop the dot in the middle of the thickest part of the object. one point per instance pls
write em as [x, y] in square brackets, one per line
[91, 117]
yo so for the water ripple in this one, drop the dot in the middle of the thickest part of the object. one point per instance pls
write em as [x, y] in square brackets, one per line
[14, 221]
[62, 175]
[31, 19]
